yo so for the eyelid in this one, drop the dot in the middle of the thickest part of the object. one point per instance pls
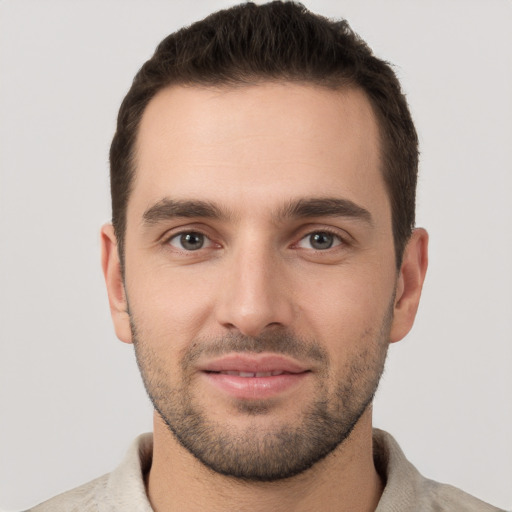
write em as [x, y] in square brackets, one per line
[184, 228]
[306, 231]
[336, 242]
[345, 239]
[178, 231]
[177, 236]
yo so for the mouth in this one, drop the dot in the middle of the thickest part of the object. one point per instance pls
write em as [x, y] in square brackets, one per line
[251, 374]
[254, 376]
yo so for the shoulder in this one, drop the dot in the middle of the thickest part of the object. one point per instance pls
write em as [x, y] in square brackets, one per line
[436, 496]
[122, 489]
[83, 498]
[406, 490]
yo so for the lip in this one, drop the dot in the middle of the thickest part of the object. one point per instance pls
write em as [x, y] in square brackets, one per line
[254, 363]
[290, 374]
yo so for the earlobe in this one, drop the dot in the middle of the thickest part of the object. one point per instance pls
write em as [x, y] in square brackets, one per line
[409, 284]
[111, 266]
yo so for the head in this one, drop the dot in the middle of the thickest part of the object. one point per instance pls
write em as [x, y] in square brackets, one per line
[276, 42]
[261, 259]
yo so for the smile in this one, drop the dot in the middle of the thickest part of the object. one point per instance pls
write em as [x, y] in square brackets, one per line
[252, 374]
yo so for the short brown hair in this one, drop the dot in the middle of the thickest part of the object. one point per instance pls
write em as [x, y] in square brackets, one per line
[274, 41]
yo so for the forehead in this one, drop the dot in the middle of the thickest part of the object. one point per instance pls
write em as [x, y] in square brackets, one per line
[268, 142]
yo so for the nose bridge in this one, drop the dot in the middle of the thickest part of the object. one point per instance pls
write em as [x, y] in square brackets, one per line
[255, 295]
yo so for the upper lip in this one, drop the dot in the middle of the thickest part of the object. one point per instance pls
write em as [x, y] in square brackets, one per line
[254, 363]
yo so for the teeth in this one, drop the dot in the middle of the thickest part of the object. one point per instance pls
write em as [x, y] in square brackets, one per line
[252, 374]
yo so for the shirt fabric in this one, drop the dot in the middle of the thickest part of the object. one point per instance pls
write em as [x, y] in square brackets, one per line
[405, 489]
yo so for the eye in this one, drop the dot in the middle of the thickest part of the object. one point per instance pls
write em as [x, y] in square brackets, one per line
[190, 241]
[320, 241]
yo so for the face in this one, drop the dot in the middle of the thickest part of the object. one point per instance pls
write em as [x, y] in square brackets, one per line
[260, 285]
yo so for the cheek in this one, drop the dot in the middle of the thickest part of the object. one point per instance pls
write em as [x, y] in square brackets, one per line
[347, 306]
[170, 305]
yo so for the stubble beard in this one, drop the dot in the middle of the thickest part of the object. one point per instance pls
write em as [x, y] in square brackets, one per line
[282, 450]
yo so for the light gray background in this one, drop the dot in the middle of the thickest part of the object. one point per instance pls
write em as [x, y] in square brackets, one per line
[70, 395]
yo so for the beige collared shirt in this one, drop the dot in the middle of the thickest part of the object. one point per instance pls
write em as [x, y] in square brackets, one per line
[406, 490]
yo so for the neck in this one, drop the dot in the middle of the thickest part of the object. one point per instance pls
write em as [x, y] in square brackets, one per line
[346, 480]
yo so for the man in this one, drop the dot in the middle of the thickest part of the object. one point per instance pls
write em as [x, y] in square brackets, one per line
[262, 257]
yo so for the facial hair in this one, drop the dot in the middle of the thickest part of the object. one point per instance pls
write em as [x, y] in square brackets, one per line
[284, 449]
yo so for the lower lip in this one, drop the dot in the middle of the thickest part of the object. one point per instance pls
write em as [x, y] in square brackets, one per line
[255, 388]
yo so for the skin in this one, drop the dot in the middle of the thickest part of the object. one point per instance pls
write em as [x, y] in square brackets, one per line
[252, 151]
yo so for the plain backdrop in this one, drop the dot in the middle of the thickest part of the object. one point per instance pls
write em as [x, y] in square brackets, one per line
[71, 399]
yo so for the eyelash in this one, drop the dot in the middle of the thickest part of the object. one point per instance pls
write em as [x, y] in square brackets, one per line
[169, 239]
[341, 241]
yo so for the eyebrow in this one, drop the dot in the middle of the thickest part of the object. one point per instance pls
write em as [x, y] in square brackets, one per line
[325, 207]
[168, 208]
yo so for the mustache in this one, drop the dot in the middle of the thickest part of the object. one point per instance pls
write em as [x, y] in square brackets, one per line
[282, 342]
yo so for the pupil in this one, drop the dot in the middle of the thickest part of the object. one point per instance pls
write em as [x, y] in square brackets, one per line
[321, 240]
[192, 241]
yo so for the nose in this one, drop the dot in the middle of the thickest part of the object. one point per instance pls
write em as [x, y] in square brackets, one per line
[256, 294]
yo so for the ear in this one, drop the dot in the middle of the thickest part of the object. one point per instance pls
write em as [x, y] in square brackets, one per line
[409, 284]
[115, 285]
